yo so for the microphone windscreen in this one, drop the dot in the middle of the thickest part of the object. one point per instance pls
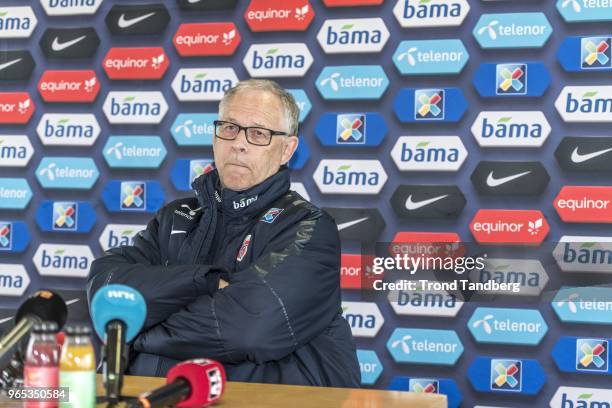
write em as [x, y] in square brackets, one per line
[118, 302]
[46, 305]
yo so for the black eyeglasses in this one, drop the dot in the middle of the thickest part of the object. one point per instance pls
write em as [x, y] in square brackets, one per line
[254, 135]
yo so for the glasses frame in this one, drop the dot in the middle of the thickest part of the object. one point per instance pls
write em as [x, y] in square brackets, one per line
[246, 132]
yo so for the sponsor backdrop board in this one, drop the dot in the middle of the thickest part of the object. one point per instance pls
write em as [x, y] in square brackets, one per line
[417, 116]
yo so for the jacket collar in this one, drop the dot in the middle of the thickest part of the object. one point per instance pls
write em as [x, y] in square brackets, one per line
[241, 204]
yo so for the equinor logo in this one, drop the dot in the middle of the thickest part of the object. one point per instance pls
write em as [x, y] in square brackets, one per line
[430, 13]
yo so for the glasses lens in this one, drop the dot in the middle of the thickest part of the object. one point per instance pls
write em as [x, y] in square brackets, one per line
[227, 130]
[259, 136]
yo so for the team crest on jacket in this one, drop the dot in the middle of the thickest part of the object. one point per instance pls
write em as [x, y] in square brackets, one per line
[271, 215]
[244, 248]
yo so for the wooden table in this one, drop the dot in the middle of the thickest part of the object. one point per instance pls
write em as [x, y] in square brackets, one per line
[240, 394]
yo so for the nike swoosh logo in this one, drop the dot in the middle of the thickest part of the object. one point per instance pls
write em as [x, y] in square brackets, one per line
[493, 182]
[8, 64]
[580, 158]
[72, 301]
[177, 232]
[125, 23]
[350, 223]
[57, 46]
[193, 1]
[412, 205]
[5, 320]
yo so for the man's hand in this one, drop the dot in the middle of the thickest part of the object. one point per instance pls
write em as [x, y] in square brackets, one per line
[222, 283]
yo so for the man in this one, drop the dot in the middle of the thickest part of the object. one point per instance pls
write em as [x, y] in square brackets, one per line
[246, 272]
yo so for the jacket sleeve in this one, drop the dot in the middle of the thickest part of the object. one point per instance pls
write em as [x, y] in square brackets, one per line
[166, 289]
[286, 298]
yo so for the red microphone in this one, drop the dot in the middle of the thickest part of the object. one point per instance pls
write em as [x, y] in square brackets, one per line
[190, 384]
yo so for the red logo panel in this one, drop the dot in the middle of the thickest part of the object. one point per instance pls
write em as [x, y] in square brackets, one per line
[351, 272]
[345, 3]
[584, 204]
[274, 15]
[136, 63]
[15, 107]
[510, 227]
[69, 86]
[205, 39]
[435, 244]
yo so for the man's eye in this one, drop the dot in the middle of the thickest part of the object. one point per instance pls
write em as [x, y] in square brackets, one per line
[230, 128]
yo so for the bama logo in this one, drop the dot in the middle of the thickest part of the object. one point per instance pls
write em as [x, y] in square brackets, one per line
[15, 193]
[350, 176]
[511, 129]
[136, 63]
[17, 22]
[14, 280]
[529, 274]
[70, 7]
[574, 11]
[429, 153]
[142, 152]
[352, 82]
[507, 375]
[429, 57]
[15, 151]
[583, 54]
[438, 303]
[430, 13]
[272, 15]
[512, 30]
[69, 86]
[507, 326]
[584, 204]
[277, 60]
[15, 108]
[574, 397]
[584, 305]
[583, 355]
[116, 235]
[430, 105]
[364, 318]
[585, 103]
[63, 260]
[67, 172]
[194, 129]
[423, 346]
[509, 227]
[206, 39]
[357, 35]
[584, 254]
[68, 129]
[203, 84]
[135, 107]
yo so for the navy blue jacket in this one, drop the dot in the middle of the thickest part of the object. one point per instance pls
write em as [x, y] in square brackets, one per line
[278, 321]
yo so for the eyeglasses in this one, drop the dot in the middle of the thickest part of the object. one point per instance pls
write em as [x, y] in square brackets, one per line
[254, 135]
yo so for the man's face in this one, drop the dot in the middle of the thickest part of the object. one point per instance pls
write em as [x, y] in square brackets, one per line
[240, 164]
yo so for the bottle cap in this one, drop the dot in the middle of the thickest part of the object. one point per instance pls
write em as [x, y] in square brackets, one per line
[45, 327]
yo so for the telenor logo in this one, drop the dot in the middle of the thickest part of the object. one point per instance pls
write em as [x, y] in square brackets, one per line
[68, 129]
[352, 82]
[135, 107]
[63, 260]
[15, 108]
[70, 7]
[430, 13]
[584, 10]
[203, 84]
[205, 39]
[134, 152]
[429, 57]
[67, 172]
[14, 280]
[421, 346]
[585, 103]
[116, 235]
[584, 254]
[194, 129]
[17, 22]
[584, 204]
[136, 63]
[363, 317]
[509, 227]
[350, 176]
[270, 15]
[69, 86]
[430, 105]
[512, 30]
[137, 19]
[15, 151]
[428, 153]
[278, 60]
[69, 43]
[584, 305]
[15, 193]
[369, 365]
[356, 35]
[302, 101]
[511, 128]
[507, 326]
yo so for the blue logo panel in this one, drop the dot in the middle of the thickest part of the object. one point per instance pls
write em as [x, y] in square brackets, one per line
[133, 196]
[430, 105]
[430, 57]
[574, 11]
[507, 326]
[67, 172]
[351, 129]
[302, 101]
[584, 305]
[301, 155]
[586, 54]
[511, 79]
[65, 216]
[144, 152]
[583, 355]
[15, 193]
[444, 386]
[194, 129]
[369, 365]
[352, 82]
[14, 236]
[512, 30]
[185, 171]
[506, 375]
[423, 346]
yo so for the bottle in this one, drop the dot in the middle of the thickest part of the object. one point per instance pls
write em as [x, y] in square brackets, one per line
[78, 368]
[41, 362]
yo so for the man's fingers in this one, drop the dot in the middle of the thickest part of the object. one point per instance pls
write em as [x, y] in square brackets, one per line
[222, 283]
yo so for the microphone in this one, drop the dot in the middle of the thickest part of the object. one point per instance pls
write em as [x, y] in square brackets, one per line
[43, 305]
[118, 313]
[190, 384]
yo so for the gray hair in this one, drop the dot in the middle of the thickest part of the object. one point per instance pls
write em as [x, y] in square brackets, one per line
[291, 110]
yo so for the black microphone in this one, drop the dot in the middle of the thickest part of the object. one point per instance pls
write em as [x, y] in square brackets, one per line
[44, 305]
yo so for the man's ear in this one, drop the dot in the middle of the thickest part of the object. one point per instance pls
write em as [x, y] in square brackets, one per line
[290, 145]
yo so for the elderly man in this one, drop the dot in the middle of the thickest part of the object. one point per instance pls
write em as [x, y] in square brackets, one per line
[246, 272]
